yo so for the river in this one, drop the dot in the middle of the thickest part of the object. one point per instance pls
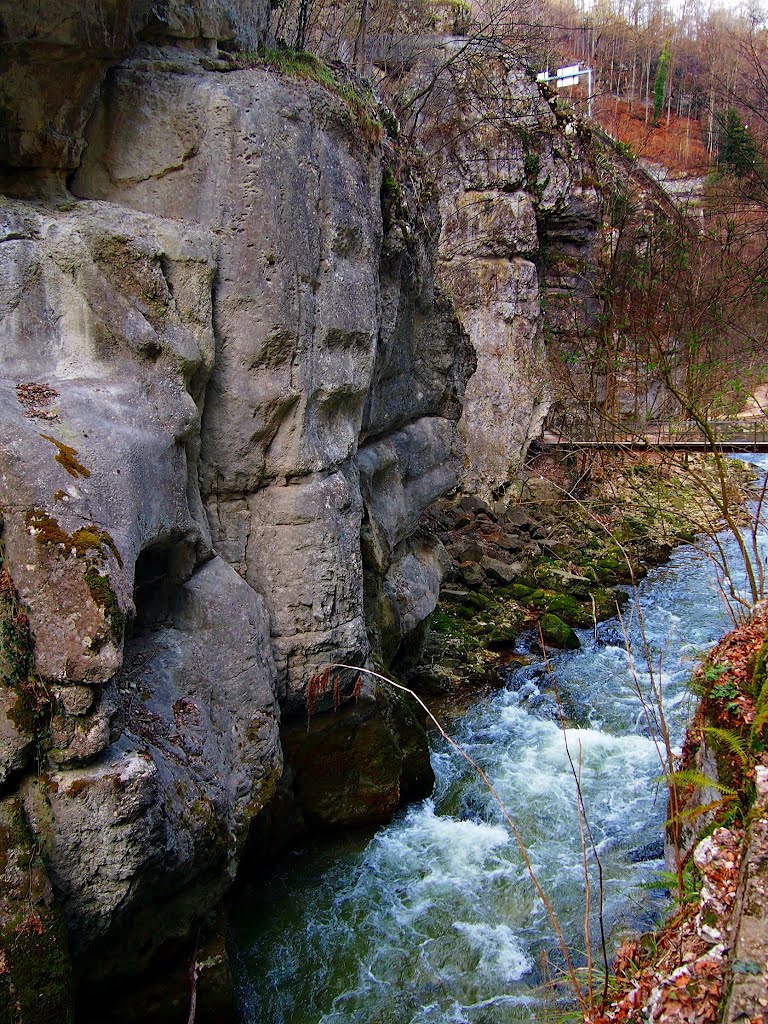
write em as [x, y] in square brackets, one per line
[434, 918]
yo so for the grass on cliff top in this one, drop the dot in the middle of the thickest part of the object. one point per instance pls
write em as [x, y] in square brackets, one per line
[303, 66]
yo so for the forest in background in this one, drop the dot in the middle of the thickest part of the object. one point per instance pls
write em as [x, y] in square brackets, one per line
[685, 91]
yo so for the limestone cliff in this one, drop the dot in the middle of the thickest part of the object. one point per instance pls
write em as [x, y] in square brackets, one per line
[520, 207]
[233, 380]
[230, 388]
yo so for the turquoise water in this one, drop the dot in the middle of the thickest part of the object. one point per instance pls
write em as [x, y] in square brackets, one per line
[434, 918]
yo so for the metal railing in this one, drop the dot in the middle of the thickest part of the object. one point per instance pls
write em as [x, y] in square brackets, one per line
[749, 433]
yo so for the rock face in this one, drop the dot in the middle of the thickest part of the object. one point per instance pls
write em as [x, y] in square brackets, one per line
[149, 692]
[311, 310]
[515, 199]
[53, 58]
[230, 387]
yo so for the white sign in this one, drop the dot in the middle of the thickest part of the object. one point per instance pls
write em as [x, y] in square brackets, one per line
[568, 76]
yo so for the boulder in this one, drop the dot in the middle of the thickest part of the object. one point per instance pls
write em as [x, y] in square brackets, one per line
[472, 574]
[497, 570]
[557, 633]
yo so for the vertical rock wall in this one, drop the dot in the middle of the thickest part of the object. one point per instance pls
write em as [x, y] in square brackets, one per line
[229, 390]
[513, 187]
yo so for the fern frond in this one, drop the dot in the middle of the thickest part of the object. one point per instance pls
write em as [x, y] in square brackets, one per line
[730, 739]
[692, 777]
[696, 812]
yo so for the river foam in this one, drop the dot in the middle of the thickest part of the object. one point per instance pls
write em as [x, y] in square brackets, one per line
[435, 918]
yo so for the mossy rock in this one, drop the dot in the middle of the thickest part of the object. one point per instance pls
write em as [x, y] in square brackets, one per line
[441, 622]
[606, 602]
[569, 610]
[501, 637]
[463, 611]
[591, 573]
[760, 671]
[557, 633]
[479, 602]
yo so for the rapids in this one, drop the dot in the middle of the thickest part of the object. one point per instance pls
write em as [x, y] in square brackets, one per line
[434, 917]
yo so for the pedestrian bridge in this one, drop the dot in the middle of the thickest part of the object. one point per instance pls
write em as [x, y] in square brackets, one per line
[731, 436]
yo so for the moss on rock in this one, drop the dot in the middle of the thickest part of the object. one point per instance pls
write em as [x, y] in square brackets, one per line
[33, 698]
[557, 633]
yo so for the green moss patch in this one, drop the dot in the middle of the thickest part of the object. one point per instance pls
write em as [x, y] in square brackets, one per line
[298, 64]
[104, 596]
[48, 533]
[557, 633]
[33, 699]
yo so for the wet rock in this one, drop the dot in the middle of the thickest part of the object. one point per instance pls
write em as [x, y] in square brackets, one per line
[653, 850]
[355, 766]
[557, 633]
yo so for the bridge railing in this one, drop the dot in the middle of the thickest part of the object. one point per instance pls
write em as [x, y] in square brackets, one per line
[744, 431]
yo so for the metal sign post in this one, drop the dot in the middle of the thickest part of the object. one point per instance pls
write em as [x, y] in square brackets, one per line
[568, 76]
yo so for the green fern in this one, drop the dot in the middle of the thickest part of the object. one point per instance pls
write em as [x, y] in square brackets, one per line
[729, 739]
[668, 880]
[693, 777]
[699, 809]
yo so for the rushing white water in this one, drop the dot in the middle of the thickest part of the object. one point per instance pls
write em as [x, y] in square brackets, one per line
[435, 918]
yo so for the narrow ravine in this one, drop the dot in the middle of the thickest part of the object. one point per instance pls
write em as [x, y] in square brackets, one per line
[434, 918]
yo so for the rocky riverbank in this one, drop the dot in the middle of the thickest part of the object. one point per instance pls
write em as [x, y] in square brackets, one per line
[709, 962]
[564, 557]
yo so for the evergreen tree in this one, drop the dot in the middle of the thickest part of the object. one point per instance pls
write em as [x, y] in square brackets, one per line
[737, 151]
[659, 84]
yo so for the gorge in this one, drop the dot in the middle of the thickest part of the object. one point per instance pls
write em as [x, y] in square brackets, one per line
[253, 328]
